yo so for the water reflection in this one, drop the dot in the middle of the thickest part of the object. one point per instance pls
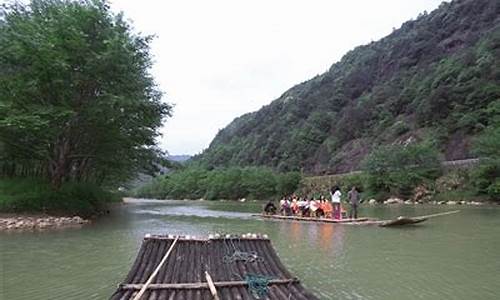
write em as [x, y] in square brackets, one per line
[331, 238]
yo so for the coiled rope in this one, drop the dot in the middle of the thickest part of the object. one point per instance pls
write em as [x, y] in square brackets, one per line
[246, 257]
[234, 254]
[257, 284]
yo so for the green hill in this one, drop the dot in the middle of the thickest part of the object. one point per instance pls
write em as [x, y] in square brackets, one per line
[436, 78]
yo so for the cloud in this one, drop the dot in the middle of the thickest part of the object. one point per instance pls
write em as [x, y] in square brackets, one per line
[219, 59]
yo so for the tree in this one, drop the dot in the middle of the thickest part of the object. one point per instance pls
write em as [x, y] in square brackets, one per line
[77, 101]
[287, 183]
[399, 168]
[487, 176]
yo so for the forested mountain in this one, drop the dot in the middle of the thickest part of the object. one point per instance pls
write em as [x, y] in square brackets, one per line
[179, 158]
[436, 78]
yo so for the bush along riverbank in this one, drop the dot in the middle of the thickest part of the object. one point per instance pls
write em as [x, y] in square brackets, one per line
[36, 196]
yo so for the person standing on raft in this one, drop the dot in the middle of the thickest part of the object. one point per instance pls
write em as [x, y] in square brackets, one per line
[335, 193]
[353, 198]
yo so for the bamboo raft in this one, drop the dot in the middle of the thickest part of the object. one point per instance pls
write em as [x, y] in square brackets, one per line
[227, 267]
[313, 219]
[399, 221]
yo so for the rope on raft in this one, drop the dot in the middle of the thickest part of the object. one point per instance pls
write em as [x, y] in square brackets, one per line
[257, 284]
[238, 255]
[246, 257]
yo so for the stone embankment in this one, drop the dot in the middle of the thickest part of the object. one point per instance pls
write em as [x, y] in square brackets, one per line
[39, 222]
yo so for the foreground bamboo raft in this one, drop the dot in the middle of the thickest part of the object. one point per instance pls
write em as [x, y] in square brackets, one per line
[399, 221]
[220, 267]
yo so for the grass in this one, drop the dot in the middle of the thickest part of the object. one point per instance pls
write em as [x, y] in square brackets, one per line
[31, 195]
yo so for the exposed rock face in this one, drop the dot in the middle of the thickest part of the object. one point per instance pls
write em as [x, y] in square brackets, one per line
[34, 223]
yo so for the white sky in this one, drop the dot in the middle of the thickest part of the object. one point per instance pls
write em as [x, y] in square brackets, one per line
[219, 59]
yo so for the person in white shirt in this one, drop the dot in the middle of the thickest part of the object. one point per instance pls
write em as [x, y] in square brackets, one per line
[335, 193]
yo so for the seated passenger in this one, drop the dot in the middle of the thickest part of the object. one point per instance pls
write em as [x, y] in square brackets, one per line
[313, 207]
[328, 209]
[301, 205]
[294, 206]
[286, 207]
[282, 205]
[320, 212]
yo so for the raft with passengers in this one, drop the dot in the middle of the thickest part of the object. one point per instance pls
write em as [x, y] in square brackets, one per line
[332, 211]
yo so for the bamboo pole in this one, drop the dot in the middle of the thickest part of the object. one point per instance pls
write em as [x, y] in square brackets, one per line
[153, 275]
[200, 285]
[438, 214]
[211, 286]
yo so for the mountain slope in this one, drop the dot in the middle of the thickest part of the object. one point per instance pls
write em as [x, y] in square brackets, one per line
[436, 77]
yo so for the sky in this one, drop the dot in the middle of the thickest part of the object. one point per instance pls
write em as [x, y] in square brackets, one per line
[216, 60]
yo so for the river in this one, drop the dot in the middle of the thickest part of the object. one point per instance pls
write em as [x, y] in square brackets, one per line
[449, 257]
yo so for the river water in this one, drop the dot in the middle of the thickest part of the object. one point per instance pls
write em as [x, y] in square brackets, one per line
[449, 257]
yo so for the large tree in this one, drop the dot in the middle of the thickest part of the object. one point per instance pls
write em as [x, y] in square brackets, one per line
[77, 100]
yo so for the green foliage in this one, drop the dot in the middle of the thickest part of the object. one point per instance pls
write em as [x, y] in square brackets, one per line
[287, 183]
[36, 195]
[77, 102]
[229, 183]
[488, 174]
[400, 128]
[398, 169]
[347, 182]
[488, 144]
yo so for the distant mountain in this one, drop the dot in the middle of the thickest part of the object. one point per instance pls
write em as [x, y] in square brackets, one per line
[179, 158]
[437, 77]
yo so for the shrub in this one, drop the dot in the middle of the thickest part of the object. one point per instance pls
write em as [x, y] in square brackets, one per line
[487, 175]
[400, 127]
[36, 195]
[398, 169]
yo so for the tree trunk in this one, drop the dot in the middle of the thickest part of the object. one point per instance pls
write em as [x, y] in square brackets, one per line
[60, 162]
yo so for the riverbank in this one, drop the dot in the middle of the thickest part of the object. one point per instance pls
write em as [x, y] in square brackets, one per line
[11, 222]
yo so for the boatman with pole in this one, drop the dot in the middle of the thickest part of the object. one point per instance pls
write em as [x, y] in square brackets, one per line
[353, 198]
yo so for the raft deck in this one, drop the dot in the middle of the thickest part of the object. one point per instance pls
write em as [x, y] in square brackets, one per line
[320, 220]
[399, 221]
[229, 267]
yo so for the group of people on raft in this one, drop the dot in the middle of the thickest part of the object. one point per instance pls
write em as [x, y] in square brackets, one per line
[310, 207]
